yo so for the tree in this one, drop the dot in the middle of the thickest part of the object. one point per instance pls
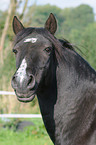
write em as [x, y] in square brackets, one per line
[24, 9]
[89, 42]
[76, 18]
[14, 4]
[10, 10]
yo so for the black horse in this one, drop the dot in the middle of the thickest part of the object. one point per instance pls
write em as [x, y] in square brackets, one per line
[65, 84]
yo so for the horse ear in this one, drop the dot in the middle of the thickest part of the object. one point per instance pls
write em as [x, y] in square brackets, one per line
[17, 25]
[51, 24]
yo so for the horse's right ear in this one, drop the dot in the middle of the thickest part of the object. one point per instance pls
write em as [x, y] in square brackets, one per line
[17, 25]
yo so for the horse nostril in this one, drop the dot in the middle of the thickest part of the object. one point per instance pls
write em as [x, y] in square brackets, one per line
[13, 82]
[31, 82]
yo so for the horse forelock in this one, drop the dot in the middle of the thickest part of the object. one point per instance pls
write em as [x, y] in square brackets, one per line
[58, 44]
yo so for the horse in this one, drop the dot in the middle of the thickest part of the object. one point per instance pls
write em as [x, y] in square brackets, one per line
[63, 81]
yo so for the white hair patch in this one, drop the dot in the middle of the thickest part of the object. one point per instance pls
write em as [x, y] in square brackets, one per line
[32, 40]
[21, 72]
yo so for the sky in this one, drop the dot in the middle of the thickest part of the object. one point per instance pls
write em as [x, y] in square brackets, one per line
[60, 3]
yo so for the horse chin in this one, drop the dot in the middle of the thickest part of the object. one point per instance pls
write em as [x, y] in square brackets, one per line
[25, 98]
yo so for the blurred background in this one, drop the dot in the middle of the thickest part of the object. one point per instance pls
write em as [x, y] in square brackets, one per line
[76, 23]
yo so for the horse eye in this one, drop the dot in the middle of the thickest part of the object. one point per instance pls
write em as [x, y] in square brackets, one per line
[48, 49]
[15, 51]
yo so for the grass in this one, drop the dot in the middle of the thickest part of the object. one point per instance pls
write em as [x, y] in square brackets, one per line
[8, 137]
[33, 135]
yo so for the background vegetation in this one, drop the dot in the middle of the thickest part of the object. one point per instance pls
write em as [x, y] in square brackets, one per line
[33, 135]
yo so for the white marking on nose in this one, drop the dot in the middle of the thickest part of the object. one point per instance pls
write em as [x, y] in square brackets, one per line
[21, 72]
[32, 40]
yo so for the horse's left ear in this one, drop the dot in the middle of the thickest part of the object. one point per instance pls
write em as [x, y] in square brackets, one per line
[51, 24]
[17, 25]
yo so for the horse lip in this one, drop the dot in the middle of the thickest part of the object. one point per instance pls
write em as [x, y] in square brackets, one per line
[24, 97]
[27, 99]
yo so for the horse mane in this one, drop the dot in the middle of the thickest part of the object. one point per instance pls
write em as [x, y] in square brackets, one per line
[22, 34]
[67, 44]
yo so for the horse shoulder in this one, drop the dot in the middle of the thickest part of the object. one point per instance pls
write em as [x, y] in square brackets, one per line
[76, 121]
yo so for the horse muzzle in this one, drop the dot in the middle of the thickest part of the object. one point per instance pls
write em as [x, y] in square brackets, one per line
[24, 87]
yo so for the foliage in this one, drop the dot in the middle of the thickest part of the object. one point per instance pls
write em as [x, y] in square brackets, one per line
[88, 41]
[40, 14]
[76, 19]
[8, 68]
[10, 124]
[2, 20]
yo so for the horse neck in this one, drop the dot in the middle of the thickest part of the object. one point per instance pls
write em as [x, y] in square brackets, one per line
[53, 98]
[47, 99]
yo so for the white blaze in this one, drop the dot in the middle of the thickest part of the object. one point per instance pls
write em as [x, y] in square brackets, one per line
[32, 40]
[21, 72]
